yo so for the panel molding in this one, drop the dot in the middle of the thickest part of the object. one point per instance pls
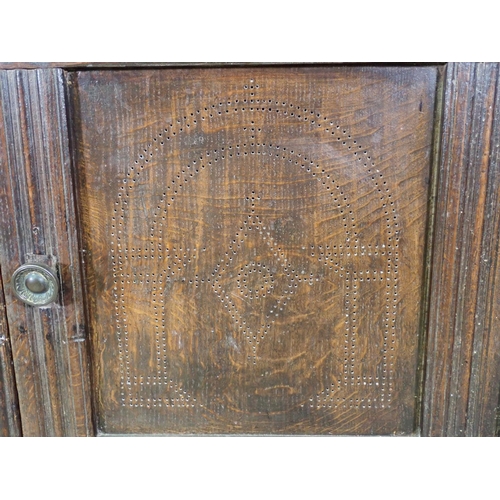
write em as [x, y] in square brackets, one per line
[462, 380]
[37, 218]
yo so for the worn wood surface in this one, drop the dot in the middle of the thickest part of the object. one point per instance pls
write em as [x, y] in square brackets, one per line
[181, 328]
[484, 393]
[71, 66]
[37, 223]
[463, 363]
[10, 422]
[107, 65]
[254, 246]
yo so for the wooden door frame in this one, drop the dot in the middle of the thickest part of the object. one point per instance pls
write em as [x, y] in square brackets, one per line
[460, 334]
[38, 224]
[462, 368]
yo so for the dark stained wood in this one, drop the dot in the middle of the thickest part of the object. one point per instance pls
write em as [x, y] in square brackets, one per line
[484, 392]
[169, 355]
[114, 65]
[37, 223]
[61, 65]
[10, 423]
[254, 246]
[463, 366]
[72, 66]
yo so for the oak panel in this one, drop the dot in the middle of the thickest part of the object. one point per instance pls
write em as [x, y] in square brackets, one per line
[254, 246]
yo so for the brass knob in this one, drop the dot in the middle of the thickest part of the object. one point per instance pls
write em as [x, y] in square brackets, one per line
[35, 284]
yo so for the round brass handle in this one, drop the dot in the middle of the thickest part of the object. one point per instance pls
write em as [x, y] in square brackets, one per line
[35, 284]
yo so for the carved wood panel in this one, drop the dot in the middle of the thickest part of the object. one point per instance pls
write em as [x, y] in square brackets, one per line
[254, 244]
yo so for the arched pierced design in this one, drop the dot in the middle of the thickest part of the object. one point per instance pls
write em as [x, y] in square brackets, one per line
[289, 270]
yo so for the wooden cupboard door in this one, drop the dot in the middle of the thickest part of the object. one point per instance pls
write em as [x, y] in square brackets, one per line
[254, 244]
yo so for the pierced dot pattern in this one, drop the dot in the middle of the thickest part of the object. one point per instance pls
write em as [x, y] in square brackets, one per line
[249, 105]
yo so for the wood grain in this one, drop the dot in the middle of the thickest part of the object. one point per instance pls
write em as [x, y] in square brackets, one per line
[463, 366]
[10, 422]
[484, 392]
[182, 337]
[185, 334]
[254, 246]
[72, 66]
[37, 224]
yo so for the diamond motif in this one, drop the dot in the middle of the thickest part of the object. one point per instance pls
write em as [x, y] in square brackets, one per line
[255, 280]
[256, 292]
